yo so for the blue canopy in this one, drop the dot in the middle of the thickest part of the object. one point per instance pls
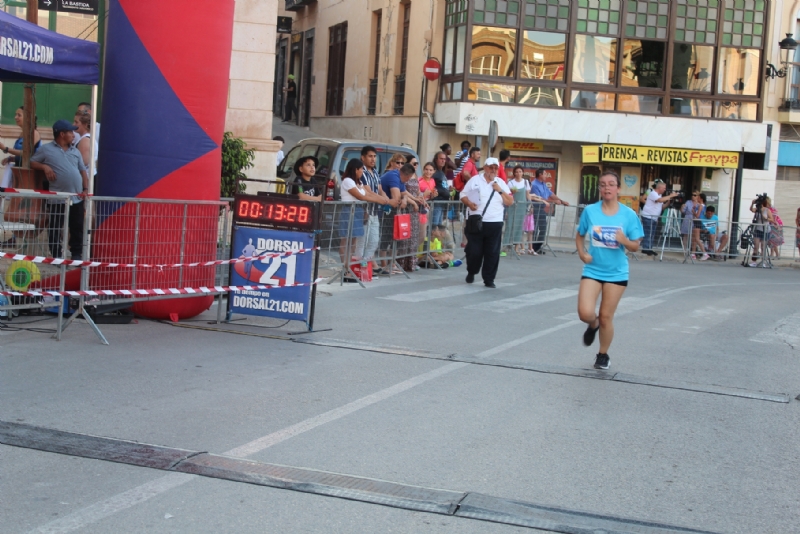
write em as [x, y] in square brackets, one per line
[29, 53]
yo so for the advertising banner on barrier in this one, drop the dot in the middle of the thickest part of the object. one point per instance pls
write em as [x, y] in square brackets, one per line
[282, 302]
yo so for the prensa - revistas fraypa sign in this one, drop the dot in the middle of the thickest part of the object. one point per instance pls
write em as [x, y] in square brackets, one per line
[86, 7]
[660, 156]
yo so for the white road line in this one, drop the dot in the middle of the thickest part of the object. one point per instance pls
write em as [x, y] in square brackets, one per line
[523, 301]
[697, 321]
[81, 518]
[626, 305]
[785, 332]
[442, 292]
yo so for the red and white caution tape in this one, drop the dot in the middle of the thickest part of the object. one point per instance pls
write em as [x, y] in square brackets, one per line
[75, 263]
[37, 192]
[148, 292]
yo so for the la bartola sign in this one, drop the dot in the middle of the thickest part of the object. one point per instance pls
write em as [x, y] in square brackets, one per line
[86, 7]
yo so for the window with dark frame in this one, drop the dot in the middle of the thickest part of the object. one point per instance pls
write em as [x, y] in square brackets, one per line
[337, 51]
[689, 58]
[373, 82]
[400, 79]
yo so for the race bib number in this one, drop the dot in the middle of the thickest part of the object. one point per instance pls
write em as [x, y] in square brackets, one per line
[605, 236]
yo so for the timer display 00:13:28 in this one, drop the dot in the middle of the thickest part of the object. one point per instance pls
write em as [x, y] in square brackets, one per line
[284, 213]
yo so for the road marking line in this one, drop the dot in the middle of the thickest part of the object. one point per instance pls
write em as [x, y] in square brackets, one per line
[81, 518]
[626, 305]
[784, 332]
[441, 293]
[523, 301]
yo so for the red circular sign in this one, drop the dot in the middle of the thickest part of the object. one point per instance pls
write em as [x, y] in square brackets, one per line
[432, 69]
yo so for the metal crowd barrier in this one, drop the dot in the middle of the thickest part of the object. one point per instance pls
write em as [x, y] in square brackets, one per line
[32, 224]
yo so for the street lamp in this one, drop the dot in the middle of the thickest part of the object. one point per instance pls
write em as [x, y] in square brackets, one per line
[786, 45]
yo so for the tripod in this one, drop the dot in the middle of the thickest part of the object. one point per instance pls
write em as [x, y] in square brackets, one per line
[748, 243]
[672, 229]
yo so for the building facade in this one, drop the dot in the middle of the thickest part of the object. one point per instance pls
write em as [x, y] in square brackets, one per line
[670, 89]
[249, 114]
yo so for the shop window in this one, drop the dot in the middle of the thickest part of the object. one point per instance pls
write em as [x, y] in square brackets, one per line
[540, 96]
[696, 21]
[449, 50]
[543, 55]
[502, 12]
[647, 19]
[739, 71]
[592, 100]
[692, 66]
[337, 54]
[455, 43]
[491, 92]
[740, 111]
[594, 60]
[547, 15]
[744, 22]
[789, 174]
[456, 12]
[643, 63]
[452, 91]
[599, 16]
[639, 104]
[691, 107]
[493, 51]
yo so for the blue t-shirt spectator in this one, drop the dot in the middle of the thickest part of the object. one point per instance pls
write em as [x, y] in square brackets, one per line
[541, 189]
[609, 262]
[392, 179]
[711, 223]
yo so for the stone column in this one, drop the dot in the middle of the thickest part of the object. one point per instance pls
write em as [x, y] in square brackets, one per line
[252, 76]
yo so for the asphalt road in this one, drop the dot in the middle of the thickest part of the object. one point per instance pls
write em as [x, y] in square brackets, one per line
[518, 414]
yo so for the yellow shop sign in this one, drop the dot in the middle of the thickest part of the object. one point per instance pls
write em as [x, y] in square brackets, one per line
[669, 156]
[590, 153]
[529, 146]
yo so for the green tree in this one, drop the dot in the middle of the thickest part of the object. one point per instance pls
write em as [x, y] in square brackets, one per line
[235, 159]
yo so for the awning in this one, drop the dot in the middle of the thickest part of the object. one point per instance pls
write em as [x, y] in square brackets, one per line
[29, 53]
[788, 154]
[647, 155]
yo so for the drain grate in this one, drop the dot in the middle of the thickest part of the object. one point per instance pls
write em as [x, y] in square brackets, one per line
[404, 496]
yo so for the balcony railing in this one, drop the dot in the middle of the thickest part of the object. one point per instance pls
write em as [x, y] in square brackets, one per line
[399, 94]
[297, 5]
[373, 96]
[789, 104]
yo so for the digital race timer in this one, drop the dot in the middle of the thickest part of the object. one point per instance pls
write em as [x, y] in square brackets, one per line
[277, 211]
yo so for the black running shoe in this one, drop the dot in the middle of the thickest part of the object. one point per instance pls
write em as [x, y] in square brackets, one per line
[601, 361]
[588, 336]
[470, 278]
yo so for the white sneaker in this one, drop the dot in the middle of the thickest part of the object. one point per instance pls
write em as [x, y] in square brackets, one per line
[705, 257]
[694, 257]
[754, 264]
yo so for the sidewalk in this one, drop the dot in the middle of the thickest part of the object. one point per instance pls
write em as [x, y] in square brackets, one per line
[290, 132]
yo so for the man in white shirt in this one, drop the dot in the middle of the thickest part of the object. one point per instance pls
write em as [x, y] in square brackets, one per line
[485, 195]
[651, 212]
[280, 151]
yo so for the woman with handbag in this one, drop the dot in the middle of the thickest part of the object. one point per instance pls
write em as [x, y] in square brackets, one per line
[485, 195]
[613, 228]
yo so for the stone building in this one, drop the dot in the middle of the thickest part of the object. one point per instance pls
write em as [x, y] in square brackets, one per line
[670, 89]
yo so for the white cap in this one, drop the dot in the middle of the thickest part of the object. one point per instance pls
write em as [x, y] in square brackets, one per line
[491, 161]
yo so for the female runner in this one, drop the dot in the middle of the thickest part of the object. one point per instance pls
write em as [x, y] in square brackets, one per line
[613, 228]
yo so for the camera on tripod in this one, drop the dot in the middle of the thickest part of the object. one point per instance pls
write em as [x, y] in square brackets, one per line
[680, 196]
[760, 200]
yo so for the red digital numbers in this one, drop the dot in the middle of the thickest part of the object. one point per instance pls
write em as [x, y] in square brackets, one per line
[265, 210]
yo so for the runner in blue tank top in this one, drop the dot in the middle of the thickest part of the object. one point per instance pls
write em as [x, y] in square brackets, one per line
[612, 228]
